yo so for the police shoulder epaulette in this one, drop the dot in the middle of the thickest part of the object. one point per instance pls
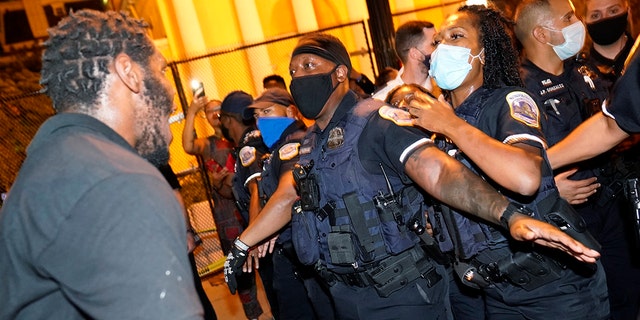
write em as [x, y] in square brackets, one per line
[523, 108]
[247, 155]
[289, 151]
[398, 116]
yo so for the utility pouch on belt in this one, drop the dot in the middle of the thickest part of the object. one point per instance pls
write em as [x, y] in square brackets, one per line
[529, 270]
[395, 272]
[561, 214]
[340, 241]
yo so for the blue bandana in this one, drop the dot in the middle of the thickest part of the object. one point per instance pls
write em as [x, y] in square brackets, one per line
[272, 127]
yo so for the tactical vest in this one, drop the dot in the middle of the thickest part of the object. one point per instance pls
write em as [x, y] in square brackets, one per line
[473, 236]
[348, 230]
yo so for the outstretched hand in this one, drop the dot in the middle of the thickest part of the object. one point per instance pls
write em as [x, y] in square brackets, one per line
[525, 228]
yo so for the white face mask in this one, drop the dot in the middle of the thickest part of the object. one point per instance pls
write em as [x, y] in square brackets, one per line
[450, 65]
[574, 36]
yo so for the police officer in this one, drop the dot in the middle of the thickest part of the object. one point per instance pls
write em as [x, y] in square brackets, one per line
[249, 150]
[298, 292]
[607, 23]
[494, 120]
[620, 117]
[570, 92]
[358, 205]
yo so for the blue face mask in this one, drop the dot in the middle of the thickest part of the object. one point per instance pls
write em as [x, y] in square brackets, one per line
[573, 40]
[271, 128]
[450, 65]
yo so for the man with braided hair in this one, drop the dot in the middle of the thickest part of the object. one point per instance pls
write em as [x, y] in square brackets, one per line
[96, 232]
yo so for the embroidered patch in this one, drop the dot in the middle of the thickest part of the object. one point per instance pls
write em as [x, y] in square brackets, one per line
[398, 116]
[289, 151]
[336, 138]
[523, 108]
[247, 155]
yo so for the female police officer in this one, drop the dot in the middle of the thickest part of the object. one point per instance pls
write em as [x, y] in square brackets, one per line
[494, 121]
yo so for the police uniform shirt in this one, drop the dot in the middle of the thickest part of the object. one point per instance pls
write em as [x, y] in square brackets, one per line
[385, 141]
[565, 100]
[283, 156]
[249, 153]
[624, 105]
[515, 119]
[611, 69]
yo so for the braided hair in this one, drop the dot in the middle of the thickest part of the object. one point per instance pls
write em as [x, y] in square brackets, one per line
[75, 63]
[496, 35]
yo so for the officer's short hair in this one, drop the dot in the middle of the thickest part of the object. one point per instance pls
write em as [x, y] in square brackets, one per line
[529, 14]
[410, 35]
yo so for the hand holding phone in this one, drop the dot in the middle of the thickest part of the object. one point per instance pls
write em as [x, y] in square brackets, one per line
[197, 88]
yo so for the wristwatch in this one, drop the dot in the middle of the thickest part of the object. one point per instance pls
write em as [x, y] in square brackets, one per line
[512, 209]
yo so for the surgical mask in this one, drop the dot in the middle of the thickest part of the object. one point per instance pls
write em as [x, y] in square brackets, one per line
[607, 31]
[573, 40]
[450, 65]
[310, 93]
[271, 128]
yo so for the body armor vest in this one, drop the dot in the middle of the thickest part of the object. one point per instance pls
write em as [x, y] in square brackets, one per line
[351, 227]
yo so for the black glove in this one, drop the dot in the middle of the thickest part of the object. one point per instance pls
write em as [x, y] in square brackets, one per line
[233, 265]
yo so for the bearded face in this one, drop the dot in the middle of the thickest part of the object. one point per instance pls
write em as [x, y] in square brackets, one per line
[152, 120]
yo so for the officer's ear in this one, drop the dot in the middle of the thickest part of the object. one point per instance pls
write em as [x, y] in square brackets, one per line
[342, 73]
[540, 34]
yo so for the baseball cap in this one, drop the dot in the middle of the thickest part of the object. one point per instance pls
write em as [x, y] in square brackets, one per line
[268, 98]
[236, 102]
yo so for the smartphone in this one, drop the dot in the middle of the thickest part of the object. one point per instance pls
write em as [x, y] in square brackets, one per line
[197, 88]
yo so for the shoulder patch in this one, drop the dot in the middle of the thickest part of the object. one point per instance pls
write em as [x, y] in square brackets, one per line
[247, 155]
[398, 116]
[523, 108]
[289, 151]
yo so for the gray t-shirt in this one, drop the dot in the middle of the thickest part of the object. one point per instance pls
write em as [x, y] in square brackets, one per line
[92, 230]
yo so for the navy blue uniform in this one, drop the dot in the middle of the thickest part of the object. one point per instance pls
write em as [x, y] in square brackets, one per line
[566, 101]
[368, 257]
[298, 291]
[250, 154]
[623, 105]
[510, 115]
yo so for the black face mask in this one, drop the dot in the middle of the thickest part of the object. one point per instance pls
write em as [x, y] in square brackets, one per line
[607, 31]
[310, 93]
[426, 61]
[225, 133]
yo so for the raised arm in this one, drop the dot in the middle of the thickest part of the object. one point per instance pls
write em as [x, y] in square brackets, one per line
[596, 135]
[190, 144]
